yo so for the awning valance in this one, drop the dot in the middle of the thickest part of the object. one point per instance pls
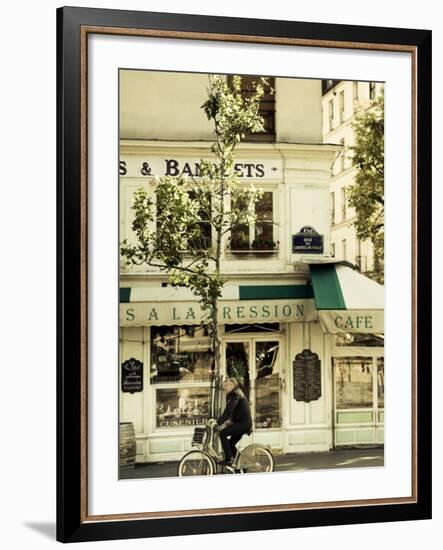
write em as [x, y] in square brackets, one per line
[346, 300]
[147, 306]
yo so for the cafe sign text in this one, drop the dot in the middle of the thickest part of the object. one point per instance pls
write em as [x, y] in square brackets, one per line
[229, 312]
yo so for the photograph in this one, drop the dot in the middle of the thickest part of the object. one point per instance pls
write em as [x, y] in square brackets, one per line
[228, 272]
[251, 235]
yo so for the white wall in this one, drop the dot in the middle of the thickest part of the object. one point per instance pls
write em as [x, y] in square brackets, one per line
[162, 105]
[298, 114]
[167, 106]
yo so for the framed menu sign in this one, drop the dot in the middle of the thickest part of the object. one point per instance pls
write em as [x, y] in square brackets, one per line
[132, 376]
[307, 376]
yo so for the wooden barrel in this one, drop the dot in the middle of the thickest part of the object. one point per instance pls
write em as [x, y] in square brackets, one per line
[127, 445]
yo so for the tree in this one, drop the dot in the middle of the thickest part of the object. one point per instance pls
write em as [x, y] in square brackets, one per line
[366, 195]
[182, 232]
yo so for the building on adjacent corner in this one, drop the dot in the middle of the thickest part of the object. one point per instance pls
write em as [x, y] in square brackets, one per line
[341, 102]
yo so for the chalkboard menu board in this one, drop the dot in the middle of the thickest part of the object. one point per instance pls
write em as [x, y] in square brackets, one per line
[306, 376]
[132, 376]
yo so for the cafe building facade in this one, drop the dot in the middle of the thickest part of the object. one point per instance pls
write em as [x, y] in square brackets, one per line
[302, 333]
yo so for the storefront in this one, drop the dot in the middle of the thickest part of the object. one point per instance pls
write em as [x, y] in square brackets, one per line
[309, 356]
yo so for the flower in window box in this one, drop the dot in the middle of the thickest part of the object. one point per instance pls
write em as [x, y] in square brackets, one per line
[238, 244]
[263, 244]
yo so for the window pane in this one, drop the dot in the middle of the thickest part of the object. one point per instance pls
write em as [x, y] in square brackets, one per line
[267, 402]
[179, 407]
[263, 207]
[267, 385]
[180, 354]
[237, 364]
[353, 383]
[202, 241]
[239, 238]
[264, 233]
[264, 229]
[266, 354]
[262, 327]
[361, 340]
[381, 382]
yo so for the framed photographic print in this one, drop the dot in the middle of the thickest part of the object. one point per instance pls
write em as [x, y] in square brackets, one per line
[243, 215]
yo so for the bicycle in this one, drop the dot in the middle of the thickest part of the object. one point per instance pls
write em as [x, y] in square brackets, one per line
[207, 460]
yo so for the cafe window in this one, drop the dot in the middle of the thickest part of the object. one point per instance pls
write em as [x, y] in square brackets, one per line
[180, 354]
[266, 108]
[258, 236]
[181, 407]
[262, 327]
[360, 340]
[359, 384]
[354, 383]
[381, 382]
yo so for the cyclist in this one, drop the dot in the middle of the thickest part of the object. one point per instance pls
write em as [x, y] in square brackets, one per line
[236, 417]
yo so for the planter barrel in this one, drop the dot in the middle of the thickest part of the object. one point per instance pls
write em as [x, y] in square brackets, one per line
[127, 445]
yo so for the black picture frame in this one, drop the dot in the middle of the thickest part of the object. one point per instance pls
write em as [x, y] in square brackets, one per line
[73, 24]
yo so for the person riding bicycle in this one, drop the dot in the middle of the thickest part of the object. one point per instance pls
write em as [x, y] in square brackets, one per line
[236, 416]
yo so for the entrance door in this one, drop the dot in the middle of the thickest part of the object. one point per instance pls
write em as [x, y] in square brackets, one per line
[255, 363]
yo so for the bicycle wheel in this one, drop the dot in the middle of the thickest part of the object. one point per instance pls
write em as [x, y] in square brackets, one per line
[196, 463]
[255, 458]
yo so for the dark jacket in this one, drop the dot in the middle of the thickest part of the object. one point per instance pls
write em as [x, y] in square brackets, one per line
[237, 409]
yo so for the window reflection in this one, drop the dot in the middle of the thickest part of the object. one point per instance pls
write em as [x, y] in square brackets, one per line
[381, 382]
[180, 354]
[353, 383]
[363, 340]
[237, 364]
[267, 385]
[178, 407]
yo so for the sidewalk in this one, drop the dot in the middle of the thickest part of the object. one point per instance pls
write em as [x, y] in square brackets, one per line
[297, 462]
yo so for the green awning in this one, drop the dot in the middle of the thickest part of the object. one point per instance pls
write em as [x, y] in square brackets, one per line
[327, 290]
[346, 300]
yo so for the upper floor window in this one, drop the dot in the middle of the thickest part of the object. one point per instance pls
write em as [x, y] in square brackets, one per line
[342, 154]
[331, 114]
[355, 91]
[343, 203]
[266, 109]
[342, 106]
[257, 236]
[371, 90]
[332, 195]
[202, 236]
[344, 252]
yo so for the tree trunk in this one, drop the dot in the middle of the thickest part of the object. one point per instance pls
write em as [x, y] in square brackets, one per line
[216, 347]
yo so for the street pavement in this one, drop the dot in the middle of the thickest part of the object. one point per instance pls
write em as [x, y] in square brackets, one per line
[297, 462]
